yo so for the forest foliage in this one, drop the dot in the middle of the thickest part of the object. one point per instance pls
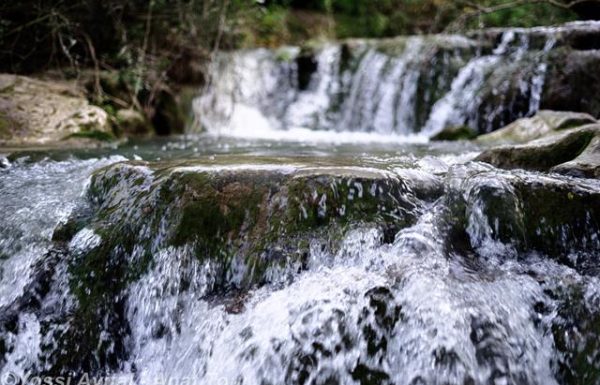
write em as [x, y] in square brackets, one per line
[37, 34]
[139, 52]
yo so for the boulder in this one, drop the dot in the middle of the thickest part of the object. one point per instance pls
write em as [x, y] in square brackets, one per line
[38, 112]
[586, 165]
[547, 152]
[542, 123]
[498, 211]
[222, 212]
[573, 79]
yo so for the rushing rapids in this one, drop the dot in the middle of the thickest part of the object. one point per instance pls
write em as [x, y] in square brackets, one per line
[354, 251]
[389, 268]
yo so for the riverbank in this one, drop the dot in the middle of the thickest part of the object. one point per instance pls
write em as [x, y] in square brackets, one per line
[51, 111]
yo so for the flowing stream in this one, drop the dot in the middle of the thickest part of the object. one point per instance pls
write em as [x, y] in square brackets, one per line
[442, 300]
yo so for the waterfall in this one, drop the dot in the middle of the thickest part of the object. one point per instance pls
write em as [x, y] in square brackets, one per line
[394, 88]
[459, 294]
[207, 260]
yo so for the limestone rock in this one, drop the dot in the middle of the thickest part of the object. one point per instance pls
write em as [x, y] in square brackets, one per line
[546, 152]
[263, 212]
[573, 78]
[499, 211]
[37, 112]
[225, 223]
[543, 123]
[586, 165]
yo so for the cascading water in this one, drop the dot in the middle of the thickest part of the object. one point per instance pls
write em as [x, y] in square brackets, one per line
[228, 261]
[398, 87]
[419, 308]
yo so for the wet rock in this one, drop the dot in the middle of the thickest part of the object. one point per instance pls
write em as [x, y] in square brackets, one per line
[543, 123]
[586, 165]
[499, 211]
[573, 79]
[307, 66]
[576, 330]
[266, 213]
[547, 152]
[242, 222]
[34, 112]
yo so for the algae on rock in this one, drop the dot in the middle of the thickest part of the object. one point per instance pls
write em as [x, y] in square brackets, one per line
[526, 212]
[245, 219]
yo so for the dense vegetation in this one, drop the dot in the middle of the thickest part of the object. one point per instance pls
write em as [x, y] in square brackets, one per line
[156, 45]
[38, 34]
[379, 18]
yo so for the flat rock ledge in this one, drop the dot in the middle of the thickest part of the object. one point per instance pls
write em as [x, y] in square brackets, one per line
[246, 219]
[569, 145]
[541, 124]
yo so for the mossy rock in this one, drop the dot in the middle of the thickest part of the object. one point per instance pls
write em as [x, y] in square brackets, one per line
[244, 220]
[527, 212]
[259, 216]
[455, 133]
[225, 212]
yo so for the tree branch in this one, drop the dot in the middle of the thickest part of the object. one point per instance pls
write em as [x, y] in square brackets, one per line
[479, 9]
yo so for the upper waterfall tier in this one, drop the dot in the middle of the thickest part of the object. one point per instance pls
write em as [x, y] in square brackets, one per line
[404, 86]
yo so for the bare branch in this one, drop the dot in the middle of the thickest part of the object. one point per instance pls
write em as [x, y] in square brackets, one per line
[479, 10]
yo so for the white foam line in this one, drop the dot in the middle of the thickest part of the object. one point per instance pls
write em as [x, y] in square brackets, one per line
[305, 135]
[286, 169]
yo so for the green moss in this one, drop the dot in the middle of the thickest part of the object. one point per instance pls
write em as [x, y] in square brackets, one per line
[556, 232]
[538, 214]
[97, 280]
[284, 55]
[64, 233]
[5, 131]
[456, 133]
[92, 134]
[213, 215]
[266, 218]
[392, 47]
